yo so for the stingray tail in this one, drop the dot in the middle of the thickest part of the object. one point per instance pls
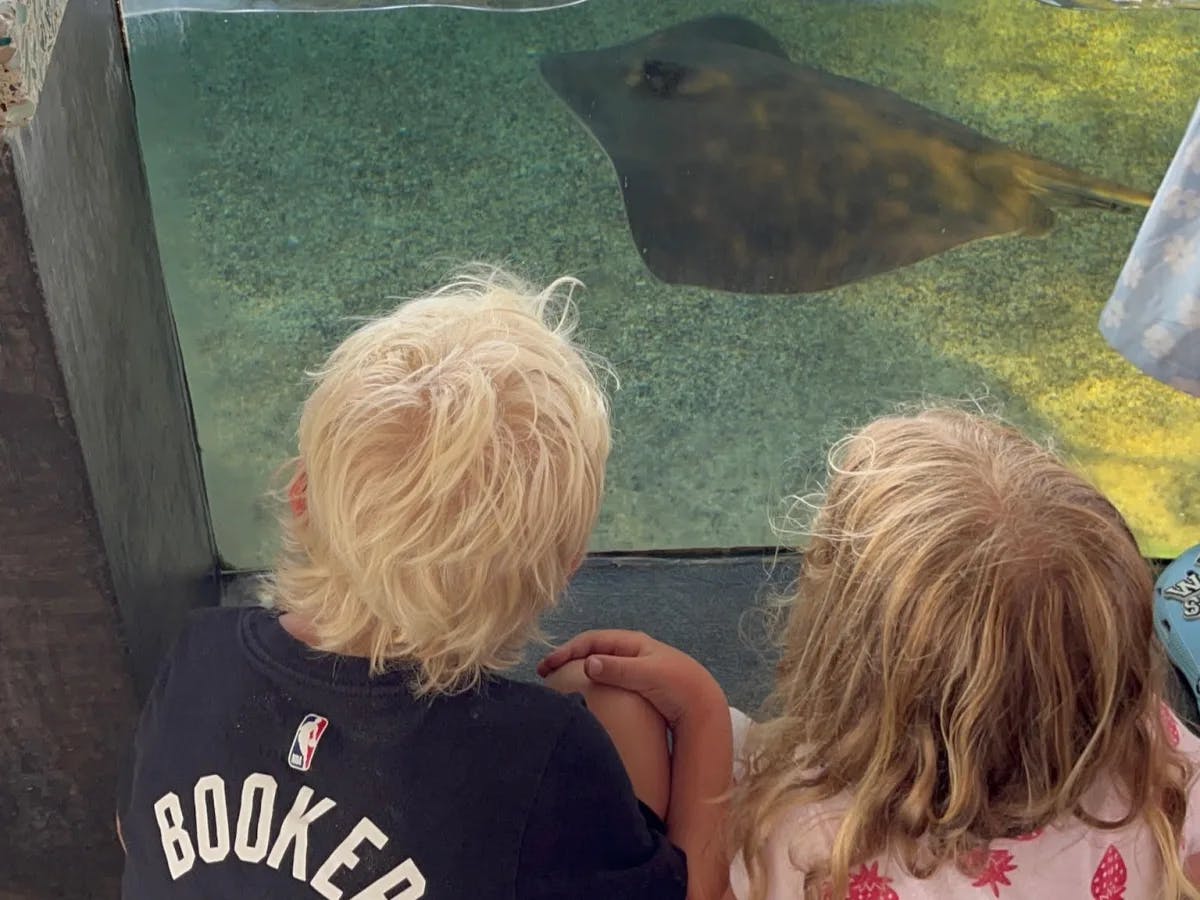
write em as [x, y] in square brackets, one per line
[1059, 186]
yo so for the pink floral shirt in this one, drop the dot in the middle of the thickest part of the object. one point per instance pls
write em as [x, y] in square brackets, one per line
[1058, 863]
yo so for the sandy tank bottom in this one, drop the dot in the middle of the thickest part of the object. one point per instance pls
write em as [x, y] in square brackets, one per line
[308, 169]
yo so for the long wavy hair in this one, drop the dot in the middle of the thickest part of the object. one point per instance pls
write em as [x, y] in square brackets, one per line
[969, 648]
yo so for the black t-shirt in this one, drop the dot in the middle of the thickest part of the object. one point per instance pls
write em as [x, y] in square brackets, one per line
[263, 769]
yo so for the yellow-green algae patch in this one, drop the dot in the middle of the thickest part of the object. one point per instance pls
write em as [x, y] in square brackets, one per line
[1109, 94]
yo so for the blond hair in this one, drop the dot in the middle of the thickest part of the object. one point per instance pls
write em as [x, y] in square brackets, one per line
[453, 453]
[969, 648]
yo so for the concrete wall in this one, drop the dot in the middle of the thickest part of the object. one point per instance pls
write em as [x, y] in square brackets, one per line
[104, 538]
[28, 29]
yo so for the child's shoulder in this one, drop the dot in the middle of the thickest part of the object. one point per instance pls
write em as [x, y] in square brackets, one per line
[207, 622]
[1179, 733]
[220, 648]
[208, 630]
[206, 650]
[536, 705]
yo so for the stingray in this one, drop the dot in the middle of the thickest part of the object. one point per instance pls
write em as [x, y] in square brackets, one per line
[746, 172]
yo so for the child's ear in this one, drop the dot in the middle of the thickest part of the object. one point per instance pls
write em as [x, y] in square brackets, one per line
[575, 564]
[298, 493]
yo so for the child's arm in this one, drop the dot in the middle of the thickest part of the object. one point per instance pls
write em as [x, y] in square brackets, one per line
[636, 728]
[695, 708]
[701, 769]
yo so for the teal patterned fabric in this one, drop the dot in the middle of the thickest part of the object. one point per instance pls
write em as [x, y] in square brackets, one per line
[1153, 315]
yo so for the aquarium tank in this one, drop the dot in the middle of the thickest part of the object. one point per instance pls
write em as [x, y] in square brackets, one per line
[788, 216]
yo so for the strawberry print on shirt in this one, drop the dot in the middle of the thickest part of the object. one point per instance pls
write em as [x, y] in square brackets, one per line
[868, 884]
[1168, 723]
[1109, 881]
[995, 871]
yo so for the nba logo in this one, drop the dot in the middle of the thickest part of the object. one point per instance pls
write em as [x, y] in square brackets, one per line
[304, 744]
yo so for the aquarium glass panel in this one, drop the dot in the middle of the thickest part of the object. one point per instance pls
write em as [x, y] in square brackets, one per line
[311, 166]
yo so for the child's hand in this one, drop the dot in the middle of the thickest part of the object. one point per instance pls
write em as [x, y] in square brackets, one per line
[674, 683]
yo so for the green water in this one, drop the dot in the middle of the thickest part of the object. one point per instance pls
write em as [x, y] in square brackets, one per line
[307, 168]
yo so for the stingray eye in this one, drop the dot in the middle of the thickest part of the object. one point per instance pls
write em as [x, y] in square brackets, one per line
[660, 77]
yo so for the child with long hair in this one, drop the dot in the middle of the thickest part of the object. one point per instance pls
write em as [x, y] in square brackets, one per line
[970, 696]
